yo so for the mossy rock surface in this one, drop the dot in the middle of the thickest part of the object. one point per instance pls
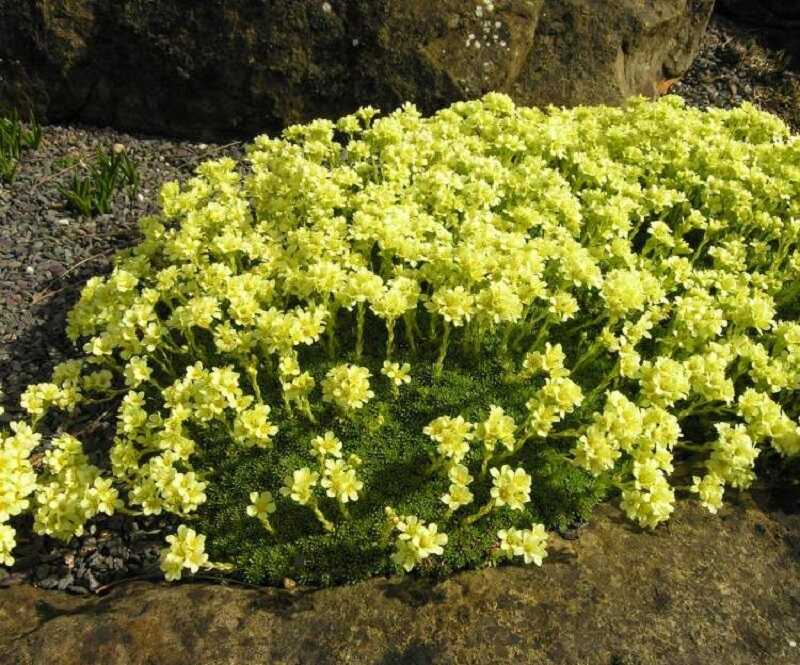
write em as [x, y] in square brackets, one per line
[220, 69]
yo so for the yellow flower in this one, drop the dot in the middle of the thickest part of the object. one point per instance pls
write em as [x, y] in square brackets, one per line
[340, 481]
[252, 427]
[710, 489]
[262, 505]
[398, 374]
[300, 486]
[510, 487]
[186, 550]
[7, 544]
[347, 386]
[497, 428]
[327, 444]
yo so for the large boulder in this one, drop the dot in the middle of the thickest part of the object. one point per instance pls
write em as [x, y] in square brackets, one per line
[217, 68]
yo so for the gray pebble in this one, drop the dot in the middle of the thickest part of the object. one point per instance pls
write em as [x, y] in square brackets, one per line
[66, 581]
[49, 583]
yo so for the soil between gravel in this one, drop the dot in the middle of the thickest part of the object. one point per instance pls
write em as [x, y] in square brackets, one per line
[47, 254]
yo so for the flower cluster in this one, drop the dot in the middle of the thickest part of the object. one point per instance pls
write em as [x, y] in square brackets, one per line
[458, 494]
[347, 386]
[187, 549]
[17, 482]
[530, 544]
[452, 436]
[262, 505]
[415, 541]
[337, 477]
[71, 491]
[510, 487]
[620, 281]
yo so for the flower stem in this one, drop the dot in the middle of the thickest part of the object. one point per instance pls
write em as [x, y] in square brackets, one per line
[483, 512]
[487, 456]
[541, 334]
[437, 368]
[305, 407]
[389, 338]
[360, 313]
[331, 333]
[590, 354]
[326, 523]
[697, 448]
[265, 522]
[408, 323]
[252, 372]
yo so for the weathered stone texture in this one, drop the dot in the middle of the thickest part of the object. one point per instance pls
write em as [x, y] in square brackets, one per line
[221, 68]
[703, 590]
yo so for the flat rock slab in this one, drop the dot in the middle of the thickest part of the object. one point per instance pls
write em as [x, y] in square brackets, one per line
[722, 590]
[217, 69]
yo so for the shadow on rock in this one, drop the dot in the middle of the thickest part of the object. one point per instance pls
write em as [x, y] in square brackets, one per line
[47, 611]
[414, 592]
[283, 603]
[417, 653]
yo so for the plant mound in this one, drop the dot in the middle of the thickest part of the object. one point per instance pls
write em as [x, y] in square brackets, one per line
[399, 343]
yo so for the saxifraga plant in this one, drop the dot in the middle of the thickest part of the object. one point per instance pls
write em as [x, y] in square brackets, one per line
[417, 343]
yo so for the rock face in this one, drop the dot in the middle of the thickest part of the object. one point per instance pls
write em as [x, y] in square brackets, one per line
[705, 589]
[216, 69]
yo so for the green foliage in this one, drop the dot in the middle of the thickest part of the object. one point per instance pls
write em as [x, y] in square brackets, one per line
[387, 435]
[14, 139]
[91, 193]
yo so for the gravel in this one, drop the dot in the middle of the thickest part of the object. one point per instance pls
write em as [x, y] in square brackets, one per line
[736, 65]
[47, 253]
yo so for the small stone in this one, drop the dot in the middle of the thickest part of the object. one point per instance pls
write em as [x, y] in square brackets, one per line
[49, 583]
[92, 580]
[79, 590]
[12, 579]
[64, 582]
[289, 584]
